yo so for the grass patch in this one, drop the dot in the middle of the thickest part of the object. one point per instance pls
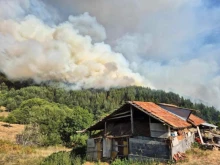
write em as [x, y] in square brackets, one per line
[11, 153]
[135, 162]
[15, 154]
[9, 147]
[196, 152]
[197, 156]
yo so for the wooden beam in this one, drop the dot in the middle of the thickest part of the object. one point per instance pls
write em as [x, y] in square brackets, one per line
[119, 117]
[117, 137]
[132, 120]
[123, 113]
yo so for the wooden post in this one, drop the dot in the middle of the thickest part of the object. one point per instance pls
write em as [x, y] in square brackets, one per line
[200, 136]
[169, 132]
[105, 128]
[132, 120]
[149, 125]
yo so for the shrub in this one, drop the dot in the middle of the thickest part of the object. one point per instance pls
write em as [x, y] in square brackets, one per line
[78, 139]
[10, 119]
[59, 158]
[79, 151]
[62, 158]
[77, 160]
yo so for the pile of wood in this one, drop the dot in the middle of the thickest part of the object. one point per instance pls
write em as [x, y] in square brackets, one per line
[214, 139]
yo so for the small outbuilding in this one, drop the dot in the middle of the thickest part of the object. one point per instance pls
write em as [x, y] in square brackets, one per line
[143, 130]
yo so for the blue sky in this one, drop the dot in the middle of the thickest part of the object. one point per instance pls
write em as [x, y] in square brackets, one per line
[212, 3]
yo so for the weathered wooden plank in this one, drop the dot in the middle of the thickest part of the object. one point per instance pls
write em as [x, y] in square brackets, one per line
[119, 117]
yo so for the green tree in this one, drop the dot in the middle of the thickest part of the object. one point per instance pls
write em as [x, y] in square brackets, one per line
[78, 119]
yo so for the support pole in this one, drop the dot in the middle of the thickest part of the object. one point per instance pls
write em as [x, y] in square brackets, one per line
[200, 136]
[149, 125]
[132, 120]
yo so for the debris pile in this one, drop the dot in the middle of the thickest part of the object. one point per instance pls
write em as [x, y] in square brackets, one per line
[211, 139]
[179, 156]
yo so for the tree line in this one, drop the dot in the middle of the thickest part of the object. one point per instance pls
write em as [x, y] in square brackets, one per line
[100, 102]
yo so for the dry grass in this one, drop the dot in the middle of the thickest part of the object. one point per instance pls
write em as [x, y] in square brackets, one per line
[9, 132]
[2, 108]
[13, 154]
[4, 114]
[196, 156]
[46, 151]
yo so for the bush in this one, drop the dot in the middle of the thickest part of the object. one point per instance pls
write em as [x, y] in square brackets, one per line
[10, 119]
[78, 139]
[62, 158]
[59, 158]
[79, 151]
[77, 160]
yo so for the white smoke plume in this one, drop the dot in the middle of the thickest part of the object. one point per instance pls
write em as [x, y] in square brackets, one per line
[170, 45]
[88, 25]
[29, 48]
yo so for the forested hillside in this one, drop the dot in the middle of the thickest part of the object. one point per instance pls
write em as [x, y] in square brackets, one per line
[99, 102]
[56, 113]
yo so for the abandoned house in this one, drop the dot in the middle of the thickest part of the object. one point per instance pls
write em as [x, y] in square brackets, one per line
[139, 130]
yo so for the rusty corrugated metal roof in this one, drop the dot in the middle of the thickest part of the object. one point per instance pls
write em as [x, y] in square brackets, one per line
[167, 117]
[195, 120]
